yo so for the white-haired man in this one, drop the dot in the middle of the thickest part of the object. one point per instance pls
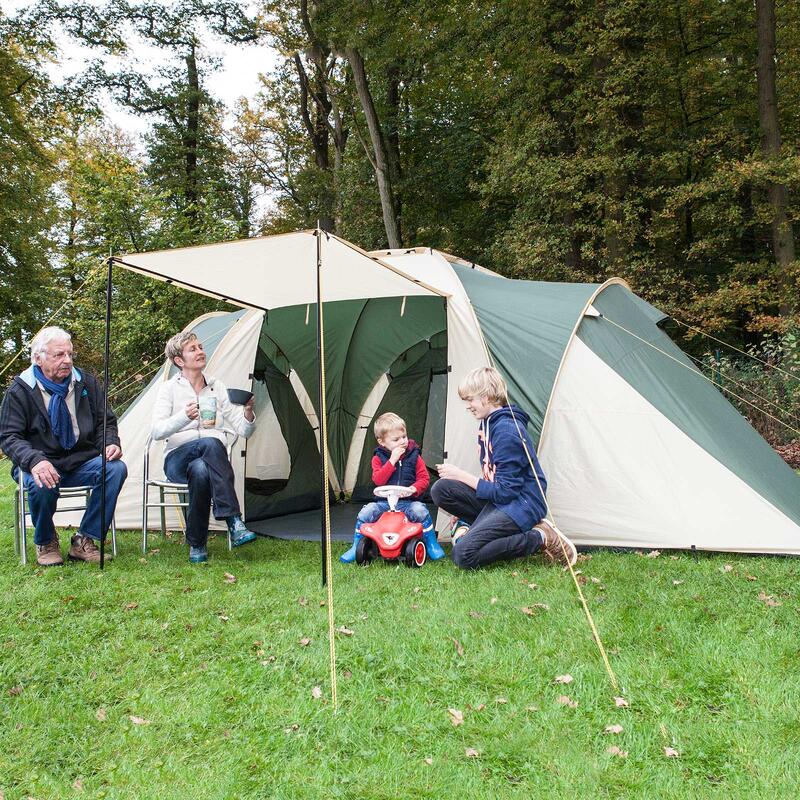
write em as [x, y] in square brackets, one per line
[51, 427]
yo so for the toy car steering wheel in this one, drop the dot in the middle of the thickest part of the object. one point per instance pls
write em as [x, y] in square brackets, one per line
[393, 493]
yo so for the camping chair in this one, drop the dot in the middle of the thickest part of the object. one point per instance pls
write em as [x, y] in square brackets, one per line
[179, 492]
[21, 513]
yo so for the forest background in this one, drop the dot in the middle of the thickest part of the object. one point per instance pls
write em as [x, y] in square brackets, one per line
[565, 140]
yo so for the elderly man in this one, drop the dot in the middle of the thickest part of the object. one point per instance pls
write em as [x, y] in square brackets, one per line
[51, 427]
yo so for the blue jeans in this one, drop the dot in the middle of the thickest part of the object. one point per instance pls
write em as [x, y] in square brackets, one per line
[42, 501]
[413, 509]
[204, 465]
[493, 535]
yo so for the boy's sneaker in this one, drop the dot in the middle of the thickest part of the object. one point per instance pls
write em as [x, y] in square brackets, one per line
[198, 555]
[239, 533]
[459, 529]
[557, 549]
[49, 553]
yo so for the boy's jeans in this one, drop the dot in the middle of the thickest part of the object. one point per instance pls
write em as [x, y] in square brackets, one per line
[493, 535]
[413, 509]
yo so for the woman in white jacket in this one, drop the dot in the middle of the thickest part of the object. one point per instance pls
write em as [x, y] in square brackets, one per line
[190, 412]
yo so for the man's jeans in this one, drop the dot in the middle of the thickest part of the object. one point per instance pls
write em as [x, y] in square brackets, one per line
[493, 535]
[204, 465]
[413, 509]
[42, 501]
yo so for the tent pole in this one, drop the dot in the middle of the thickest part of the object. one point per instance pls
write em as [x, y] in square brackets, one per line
[109, 278]
[323, 427]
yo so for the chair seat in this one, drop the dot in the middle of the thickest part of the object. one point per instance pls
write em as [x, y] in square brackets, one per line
[167, 484]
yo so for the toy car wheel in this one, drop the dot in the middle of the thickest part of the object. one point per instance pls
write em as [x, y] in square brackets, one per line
[365, 551]
[415, 553]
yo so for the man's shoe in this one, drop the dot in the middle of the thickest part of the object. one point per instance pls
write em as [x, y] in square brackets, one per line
[84, 548]
[556, 547]
[459, 529]
[49, 553]
[239, 533]
[198, 555]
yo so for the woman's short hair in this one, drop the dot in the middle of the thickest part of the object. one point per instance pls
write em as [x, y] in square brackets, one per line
[484, 382]
[176, 344]
[388, 422]
[44, 337]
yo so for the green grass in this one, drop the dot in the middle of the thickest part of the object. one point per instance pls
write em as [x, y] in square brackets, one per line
[708, 668]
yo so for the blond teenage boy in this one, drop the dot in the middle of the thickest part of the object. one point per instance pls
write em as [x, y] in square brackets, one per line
[397, 460]
[504, 508]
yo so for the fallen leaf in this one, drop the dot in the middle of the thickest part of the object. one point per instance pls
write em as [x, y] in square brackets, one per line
[563, 700]
[223, 617]
[621, 702]
[428, 761]
[492, 601]
[303, 601]
[542, 606]
[476, 614]
[228, 578]
[531, 708]
[727, 568]
[316, 692]
[456, 717]
[750, 577]
[417, 589]
[15, 691]
[677, 583]
[480, 706]
[155, 551]
[471, 752]
[595, 580]
[562, 679]
[322, 604]
[671, 752]
[613, 729]
[100, 715]
[347, 674]
[131, 606]
[654, 554]
[292, 728]
[768, 599]
[581, 580]
[305, 641]
[459, 648]
[415, 606]
[615, 751]
[138, 720]
[164, 626]
[345, 631]
[77, 785]
[526, 610]
[68, 599]
[514, 574]
[501, 701]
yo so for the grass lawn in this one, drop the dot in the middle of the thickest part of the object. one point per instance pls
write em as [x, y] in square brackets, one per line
[157, 679]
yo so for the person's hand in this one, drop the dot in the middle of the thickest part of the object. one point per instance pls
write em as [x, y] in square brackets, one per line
[192, 409]
[113, 452]
[397, 453]
[453, 473]
[45, 475]
[249, 414]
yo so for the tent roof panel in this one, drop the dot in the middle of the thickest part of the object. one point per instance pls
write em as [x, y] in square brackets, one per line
[277, 271]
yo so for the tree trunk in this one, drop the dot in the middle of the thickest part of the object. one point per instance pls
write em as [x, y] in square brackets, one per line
[190, 136]
[782, 237]
[381, 162]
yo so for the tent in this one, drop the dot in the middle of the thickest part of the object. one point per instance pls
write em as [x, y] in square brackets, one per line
[639, 448]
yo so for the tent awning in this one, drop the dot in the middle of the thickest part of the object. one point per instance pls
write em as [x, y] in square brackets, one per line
[278, 271]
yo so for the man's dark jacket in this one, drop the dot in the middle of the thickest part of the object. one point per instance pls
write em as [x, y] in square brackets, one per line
[27, 437]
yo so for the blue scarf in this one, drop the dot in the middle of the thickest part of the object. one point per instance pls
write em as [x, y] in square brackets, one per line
[60, 420]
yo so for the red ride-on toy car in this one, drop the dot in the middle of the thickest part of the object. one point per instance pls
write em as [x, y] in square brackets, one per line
[392, 537]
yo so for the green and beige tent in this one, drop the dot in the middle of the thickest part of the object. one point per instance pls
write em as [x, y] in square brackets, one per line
[640, 449]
